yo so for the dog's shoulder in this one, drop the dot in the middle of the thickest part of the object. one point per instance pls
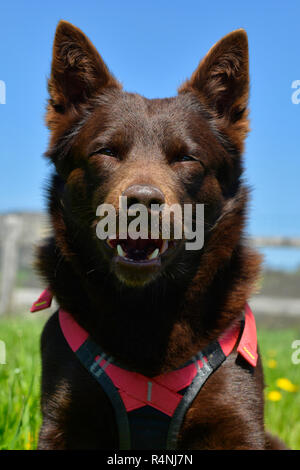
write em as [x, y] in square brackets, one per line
[51, 333]
[57, 356]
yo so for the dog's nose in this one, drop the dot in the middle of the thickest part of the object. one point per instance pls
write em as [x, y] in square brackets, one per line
[143, 194]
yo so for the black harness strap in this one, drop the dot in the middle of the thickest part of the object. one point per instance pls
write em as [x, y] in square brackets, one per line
[86, 354]
[215, 357]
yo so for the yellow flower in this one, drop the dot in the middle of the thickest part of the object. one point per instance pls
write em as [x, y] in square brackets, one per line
[274, 395]
[272, 364]
[29, 443]
[28, 446]
[286, 384]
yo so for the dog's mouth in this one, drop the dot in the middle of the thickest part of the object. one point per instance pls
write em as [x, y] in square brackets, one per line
[137, 262]
[140, 251]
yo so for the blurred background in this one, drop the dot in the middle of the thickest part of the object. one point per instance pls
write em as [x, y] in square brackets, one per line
[151, 47]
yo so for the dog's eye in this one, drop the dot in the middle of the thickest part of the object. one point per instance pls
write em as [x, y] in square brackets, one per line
[185, 158]
[104, 151]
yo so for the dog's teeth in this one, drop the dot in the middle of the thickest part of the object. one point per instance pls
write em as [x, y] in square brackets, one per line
[154, 254]
[164, 246]
[120, 251]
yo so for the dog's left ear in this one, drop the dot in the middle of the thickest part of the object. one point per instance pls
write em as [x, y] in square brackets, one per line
[221, 82]
[78, 71]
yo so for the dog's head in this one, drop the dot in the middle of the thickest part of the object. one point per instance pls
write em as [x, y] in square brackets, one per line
[106, 143]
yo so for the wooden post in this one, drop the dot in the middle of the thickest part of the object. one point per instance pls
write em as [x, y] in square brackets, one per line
[12, 225]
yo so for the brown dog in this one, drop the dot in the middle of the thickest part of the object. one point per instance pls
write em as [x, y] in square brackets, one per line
[151, 316]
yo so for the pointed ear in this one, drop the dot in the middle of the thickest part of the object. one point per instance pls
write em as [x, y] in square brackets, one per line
[78, 71]
[222, 83]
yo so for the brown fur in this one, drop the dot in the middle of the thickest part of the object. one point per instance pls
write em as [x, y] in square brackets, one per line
[152, 324]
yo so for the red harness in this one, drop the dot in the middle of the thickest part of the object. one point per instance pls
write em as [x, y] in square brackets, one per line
[130, 391]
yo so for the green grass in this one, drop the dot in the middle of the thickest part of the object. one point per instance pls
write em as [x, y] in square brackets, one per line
[281, 417]
[20, 381]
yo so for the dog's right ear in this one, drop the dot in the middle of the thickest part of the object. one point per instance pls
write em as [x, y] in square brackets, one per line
[78, 72]
[221, 82]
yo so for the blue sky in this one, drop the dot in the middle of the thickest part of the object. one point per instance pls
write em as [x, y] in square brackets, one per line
[152, 46]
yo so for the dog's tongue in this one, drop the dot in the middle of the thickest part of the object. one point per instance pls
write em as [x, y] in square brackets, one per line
[139, 249]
